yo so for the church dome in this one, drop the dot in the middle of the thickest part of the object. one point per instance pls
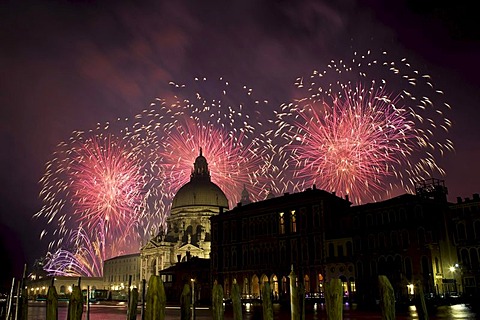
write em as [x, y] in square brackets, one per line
[200, 191]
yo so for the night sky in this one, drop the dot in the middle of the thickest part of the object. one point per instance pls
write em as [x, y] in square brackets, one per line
[68, 65]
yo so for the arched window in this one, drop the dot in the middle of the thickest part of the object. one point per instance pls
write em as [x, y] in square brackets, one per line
[226, 287]
[371, 241]
[275, 289]
[359, 269]
[283, 252]
[255, 287]
[405, 239]
[379, 218]
[476, 228]
[425, 267]
[462, 234]
[357, 242]
[421, 236]
[349, 248]
[382, 264]
[234, 257]
[340, 250]
[293, 221]
[465, 258]
[356, 222]
[245, 291]
[282, 223]
[394, 239]
[306, 283]
[320, 284]
[331, 250]
[437, 266]
[284, 285]
[344, 285]
[408, 268]
[474, 257]
[353, 287]
[418, 212]
[369, 220]
[381, 240]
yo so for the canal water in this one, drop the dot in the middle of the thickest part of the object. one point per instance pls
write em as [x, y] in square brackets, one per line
[118, 311]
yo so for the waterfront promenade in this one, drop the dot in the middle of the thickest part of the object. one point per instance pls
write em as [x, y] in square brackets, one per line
[117, 311]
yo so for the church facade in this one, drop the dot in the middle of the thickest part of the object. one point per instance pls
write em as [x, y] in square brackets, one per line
[188, 225]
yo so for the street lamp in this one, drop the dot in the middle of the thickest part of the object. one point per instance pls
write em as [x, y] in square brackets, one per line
[193, 298]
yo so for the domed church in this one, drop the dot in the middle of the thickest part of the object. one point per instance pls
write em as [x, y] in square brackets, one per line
[188, 225]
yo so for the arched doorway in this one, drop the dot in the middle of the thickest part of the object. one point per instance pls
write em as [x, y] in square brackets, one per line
[226, 287]
[263, 280]
[306, 283]
[274, 286]
[255, 287]
[320, 285]
[245, 290]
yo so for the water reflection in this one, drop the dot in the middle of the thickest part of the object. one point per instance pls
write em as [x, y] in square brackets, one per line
[254, 311]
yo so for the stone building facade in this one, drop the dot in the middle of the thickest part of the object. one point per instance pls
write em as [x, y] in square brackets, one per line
[261, 241]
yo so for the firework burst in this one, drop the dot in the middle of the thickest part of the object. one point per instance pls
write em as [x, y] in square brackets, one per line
[361, 135]
[85, 257]
[204, 115]
[107, 186]
[95, 181]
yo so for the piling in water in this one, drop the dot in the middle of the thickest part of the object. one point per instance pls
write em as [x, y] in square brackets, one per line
[236, 301]
[217, 301]
[155, 300]
[267, 301]
[132, 304]
[186, 303]
[75, 304]
[334, 299]
[294, 309]
[387, 298]
[52, 303]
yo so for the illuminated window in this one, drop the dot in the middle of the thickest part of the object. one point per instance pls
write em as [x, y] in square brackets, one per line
[345, 288]
[353, 288]
[307, 284]
[410, 289]
[282, 223]
[320, 284]
[294, 221]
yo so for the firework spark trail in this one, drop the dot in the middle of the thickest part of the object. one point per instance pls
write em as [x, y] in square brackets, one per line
[365, 127]
[85, 259]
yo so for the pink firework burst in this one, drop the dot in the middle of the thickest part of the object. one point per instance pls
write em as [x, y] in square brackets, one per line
[107, 186]
[351, 142]
[232, 164]
[99, 183]
[365, 128]
[224, 120]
